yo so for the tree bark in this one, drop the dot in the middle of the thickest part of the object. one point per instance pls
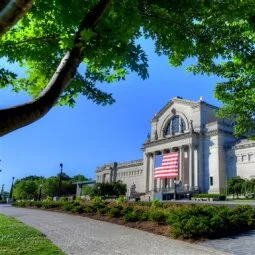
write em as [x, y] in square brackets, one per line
[12, 12]
[22, 115]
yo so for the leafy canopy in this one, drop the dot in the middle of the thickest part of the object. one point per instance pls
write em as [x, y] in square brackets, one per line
[219, 34]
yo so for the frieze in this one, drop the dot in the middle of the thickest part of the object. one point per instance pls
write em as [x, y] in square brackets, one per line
[169, 139]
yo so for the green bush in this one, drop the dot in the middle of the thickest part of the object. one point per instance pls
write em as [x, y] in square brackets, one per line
[159, 216]
[78, 209]
[120, 200]
[50, 204]
[207, 221]
[131, 217]
[103, 210]
[114, 212]
[156, 203]
[205, 195]
[63, 199]
[97, 203]
[38, 204]
[68, 206]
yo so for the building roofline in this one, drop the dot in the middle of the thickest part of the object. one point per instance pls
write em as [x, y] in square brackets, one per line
[183, 101]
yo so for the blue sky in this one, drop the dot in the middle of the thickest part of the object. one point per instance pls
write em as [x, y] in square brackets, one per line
[89, 135]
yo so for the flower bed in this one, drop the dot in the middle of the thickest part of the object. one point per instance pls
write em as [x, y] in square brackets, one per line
[184, 221]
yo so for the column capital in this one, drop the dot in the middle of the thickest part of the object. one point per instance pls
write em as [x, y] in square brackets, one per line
[181, 147]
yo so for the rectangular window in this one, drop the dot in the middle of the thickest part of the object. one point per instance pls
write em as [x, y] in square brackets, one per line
[211, 181]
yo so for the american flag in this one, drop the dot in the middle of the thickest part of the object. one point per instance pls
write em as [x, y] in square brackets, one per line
[169, 166]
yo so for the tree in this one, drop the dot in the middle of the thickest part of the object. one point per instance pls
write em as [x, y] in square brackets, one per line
[109, 189]
[236, 186]
[79, 178]
[54, 37]
[26, 189]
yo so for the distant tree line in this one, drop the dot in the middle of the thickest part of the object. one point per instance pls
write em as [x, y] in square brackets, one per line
[34, 187]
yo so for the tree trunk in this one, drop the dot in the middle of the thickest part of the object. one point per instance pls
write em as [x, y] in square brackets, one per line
[22, 115]
[11, 12]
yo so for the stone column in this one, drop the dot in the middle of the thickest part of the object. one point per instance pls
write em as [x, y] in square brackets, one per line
[191, 166]
[181, 165]
[196, 174]
[151, 171]
[146, 168]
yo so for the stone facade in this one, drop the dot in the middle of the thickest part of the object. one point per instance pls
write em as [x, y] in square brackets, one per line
[209, 154]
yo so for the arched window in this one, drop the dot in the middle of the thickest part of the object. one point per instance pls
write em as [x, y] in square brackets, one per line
[175, 125]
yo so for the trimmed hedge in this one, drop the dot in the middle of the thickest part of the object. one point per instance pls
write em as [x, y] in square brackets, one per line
[205, 195]
[187, 221]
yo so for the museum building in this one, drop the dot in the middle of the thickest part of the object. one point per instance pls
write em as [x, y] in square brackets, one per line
[208, 152]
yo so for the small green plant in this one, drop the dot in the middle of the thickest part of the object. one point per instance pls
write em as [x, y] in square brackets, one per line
[63, 199]
[121, 200]
[156, 203]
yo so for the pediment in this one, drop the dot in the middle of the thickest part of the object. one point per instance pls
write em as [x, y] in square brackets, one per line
[178, 100]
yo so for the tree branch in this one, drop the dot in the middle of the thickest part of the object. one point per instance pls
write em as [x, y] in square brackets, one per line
[22, 115]
[12, 12]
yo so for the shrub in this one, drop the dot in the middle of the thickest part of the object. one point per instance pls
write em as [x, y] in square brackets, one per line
[131, 216]
[159, 216]
[190, 222]
[68, 206]
[143, 203]
[205, 195]
[114, 212]
[78, 209]
[63, 199]
[50, 204]
[120, 200]
[38, 204]
[156, 203]
[103, 211]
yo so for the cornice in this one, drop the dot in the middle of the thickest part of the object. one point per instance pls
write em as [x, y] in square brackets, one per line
[110, 166]
[244, 146]
[170, 139]
[130, 164]
[218, 132]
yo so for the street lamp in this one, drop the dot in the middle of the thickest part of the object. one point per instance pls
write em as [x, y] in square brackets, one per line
[40, 192]
[60, 180]
[11, 191]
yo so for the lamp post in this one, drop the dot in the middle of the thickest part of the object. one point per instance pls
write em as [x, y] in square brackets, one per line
[11, 191]
[40, 192]
[60, 180]
[2, 191]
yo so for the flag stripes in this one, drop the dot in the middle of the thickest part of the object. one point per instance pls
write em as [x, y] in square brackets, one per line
[169, 167]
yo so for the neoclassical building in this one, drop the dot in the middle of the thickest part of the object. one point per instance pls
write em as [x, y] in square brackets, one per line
[209, 154]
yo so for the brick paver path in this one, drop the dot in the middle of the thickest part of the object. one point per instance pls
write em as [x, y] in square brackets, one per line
[83, 236]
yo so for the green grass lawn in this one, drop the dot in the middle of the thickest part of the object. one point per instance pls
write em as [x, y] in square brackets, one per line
[17, 238]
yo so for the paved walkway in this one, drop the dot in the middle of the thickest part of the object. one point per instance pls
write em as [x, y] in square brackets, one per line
[243, 244]
[83, 236]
